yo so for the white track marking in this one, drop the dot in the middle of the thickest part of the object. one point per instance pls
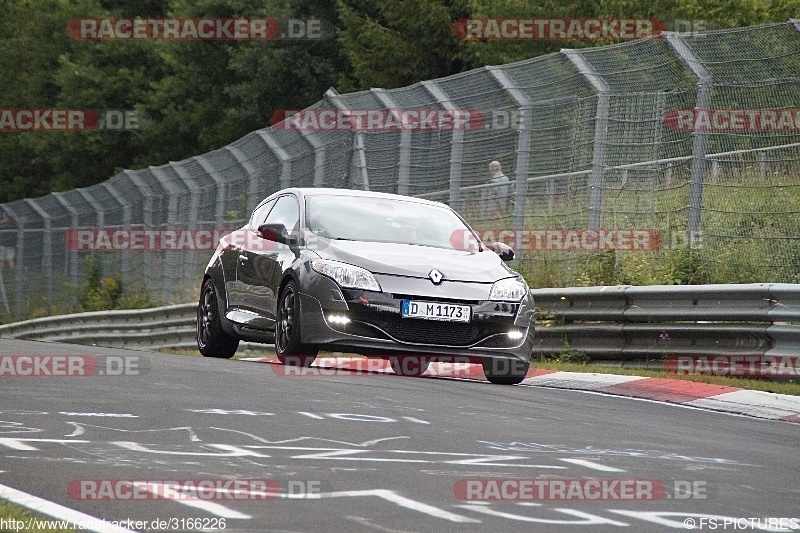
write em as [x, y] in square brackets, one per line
[389, 496]
[19, 445]
[204, 505]
[592, 465]
[298, 439]
[585, 519]
[231, 451]
[59, 512]
[417, 420]
[215, 509]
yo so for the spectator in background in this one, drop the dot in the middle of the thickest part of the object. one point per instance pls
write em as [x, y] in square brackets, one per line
[499, 197]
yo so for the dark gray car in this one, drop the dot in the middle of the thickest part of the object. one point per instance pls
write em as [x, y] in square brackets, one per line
[381, 275]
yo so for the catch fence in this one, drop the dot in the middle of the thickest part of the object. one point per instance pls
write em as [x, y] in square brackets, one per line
[667, 160]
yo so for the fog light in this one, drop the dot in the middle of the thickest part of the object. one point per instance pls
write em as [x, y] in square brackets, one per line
[514, 334]
[338, 319]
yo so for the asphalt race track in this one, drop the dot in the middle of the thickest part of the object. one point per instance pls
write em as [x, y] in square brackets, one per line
[361, 451]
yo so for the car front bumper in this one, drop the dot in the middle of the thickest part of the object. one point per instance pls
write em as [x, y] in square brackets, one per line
[369, 323]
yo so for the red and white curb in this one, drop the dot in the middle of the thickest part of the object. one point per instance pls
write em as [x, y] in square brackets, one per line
[758, 404]
[721, 398]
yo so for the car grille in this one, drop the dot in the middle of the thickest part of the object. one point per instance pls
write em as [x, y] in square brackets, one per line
[423, 331]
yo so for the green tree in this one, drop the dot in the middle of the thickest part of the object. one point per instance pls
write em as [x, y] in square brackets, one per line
[391, 44]
[63, 73]
[29, 52]
[196, 96]
[716, 14]
[285, 74]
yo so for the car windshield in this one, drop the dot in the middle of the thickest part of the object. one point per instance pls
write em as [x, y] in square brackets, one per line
[363, 218]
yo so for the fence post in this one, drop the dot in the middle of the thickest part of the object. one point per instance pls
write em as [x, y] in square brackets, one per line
[253, 198]
[596, 178]
[699, 141]
[73, 224]
[282, 155]
[18, 258]
[219, 181]
[456, 144]
[47, 246]
[3, 293]
[170, 258]
[359, 152]
[189, 267]
[100, 215]
[523, 143]
[319, 156]
[126, 222]
[404, 156]
[147, 220]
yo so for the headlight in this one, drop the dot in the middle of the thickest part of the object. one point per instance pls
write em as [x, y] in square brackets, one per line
[349, 276]
[509, 290]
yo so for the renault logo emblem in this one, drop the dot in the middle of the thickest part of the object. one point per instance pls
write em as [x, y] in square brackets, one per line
[436, 276]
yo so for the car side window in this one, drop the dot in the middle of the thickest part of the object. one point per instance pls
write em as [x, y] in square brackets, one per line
[286, 212]
[259, 214]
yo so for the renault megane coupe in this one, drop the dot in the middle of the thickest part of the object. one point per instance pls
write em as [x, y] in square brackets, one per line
[377, 274]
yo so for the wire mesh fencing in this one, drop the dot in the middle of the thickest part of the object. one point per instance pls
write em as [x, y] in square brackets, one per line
[673, 159]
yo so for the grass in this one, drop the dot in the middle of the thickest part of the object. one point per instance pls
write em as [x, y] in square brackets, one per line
[748, 230]
[10, 511]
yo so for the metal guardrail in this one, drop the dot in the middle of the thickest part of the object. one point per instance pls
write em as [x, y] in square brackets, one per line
[632, 322]
[172, 326]
[621, 322]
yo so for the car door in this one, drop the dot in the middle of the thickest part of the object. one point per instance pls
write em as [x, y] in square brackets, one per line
[259, 267]
[234, 251]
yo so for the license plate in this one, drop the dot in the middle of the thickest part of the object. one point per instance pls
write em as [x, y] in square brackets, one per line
[435, 311]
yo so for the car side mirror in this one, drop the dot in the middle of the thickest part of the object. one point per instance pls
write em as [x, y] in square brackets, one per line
[505, 252]
[276, 233]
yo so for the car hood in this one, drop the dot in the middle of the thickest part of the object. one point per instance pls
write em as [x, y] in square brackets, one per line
[417, 261]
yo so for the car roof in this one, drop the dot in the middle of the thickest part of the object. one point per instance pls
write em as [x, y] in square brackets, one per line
[327, 191]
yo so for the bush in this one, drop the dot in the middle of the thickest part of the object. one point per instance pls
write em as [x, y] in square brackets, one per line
[100, 293]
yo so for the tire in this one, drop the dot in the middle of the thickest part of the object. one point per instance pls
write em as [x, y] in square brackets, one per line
[212, 341]
[288, 348]
[409, 365]
[505, 371]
